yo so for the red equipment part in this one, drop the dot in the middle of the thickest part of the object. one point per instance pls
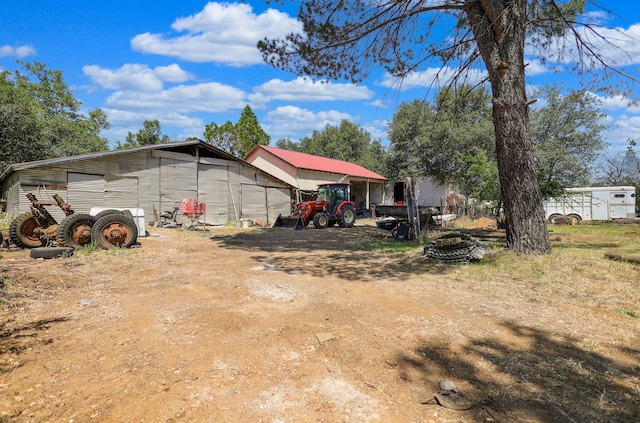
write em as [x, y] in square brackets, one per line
[192, 208]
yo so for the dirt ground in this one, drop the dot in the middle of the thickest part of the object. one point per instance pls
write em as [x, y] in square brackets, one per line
[277, 325]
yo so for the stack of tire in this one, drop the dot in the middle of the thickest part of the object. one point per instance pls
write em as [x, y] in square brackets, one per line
[454, 248]
[108, 229]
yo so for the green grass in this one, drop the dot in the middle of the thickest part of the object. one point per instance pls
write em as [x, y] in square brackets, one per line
[623, 239]
[626, 312]
[87, 249]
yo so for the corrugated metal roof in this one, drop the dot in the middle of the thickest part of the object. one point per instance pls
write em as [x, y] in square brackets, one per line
[322, 164]
[194, 147]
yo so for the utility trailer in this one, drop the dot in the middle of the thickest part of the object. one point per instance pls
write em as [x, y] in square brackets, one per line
[401, 214]
[592, 203]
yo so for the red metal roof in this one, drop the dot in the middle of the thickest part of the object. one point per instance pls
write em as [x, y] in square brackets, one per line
[323, 164]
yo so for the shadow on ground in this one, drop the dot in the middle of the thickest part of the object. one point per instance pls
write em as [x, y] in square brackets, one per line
[337, 252]
[551, 380]
[16, 340]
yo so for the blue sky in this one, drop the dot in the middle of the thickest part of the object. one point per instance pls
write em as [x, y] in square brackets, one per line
[191, 63]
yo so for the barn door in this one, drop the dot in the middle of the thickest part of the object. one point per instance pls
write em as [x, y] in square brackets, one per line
[177, 181]
[213, 190]
[278, 202]
[254, 202]
[121, 192]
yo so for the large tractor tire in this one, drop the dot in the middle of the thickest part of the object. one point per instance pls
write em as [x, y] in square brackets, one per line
[114, 231]
[320, 221]
[347, 216]
[75, 230]
[21, 231]
[107, 212]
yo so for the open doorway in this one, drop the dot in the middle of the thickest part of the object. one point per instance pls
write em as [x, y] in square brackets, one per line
[398, 193]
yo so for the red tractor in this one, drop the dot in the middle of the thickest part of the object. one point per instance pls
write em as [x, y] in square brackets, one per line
[332, 205]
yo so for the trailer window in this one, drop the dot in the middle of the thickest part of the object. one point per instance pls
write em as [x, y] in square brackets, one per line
[619, 195]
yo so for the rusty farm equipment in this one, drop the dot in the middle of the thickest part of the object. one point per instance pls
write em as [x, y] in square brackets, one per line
[332, 205]
[38, 228]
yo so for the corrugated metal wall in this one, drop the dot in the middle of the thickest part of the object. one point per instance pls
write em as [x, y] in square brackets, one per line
[85, 191]
[13, 202]
[121, 191]
[154, 180]
[254, 201]
[278, 202]
[213, 190]
[178, 180]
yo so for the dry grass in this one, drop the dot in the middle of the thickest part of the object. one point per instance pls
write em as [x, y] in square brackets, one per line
[540, 339]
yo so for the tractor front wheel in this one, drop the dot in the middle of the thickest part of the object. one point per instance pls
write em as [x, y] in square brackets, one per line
[114, 230]
[75, 230]
[347, 216]
[320, 221]
[22, 231]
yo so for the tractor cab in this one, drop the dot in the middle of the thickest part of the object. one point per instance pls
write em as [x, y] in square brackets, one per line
[334, 195]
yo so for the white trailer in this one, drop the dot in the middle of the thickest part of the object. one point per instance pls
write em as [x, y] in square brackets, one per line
[593, 203]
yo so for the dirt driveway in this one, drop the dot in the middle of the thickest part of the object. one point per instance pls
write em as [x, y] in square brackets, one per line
[277, 325]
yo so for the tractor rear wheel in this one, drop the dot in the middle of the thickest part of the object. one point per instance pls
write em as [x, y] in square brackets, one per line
[107, 212]
[113, 231]
[347, 216]
[320, 221]
[21, 231]
[75, 230]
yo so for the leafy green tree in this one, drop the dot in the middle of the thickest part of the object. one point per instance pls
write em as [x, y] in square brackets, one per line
[344, 40]
[407, 132]
[438, 140]
[567, 138]
[481, 179]
[288, 144]
[347, 141]
[222, 136]
[40, 118]
[461, 126]
[238, 139]
[151, 133]
[249, 132]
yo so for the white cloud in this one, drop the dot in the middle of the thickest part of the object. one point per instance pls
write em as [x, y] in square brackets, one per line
[616, 46]
[19, 51]
[303, 89]
[123, 122]
[617, 103]
[624, 127]
[172, 73]
[207, 97]
[534, 67]
[221, 33]
[294, 121]
[135, 77]
[433, 78]
[377, 132]
[380, 103]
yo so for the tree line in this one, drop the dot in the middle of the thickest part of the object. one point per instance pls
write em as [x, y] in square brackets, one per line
[450, 139]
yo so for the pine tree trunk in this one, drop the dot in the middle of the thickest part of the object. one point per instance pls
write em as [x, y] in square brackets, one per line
[499, 28]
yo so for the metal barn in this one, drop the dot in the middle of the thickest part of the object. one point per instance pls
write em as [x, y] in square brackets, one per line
[155, 178]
